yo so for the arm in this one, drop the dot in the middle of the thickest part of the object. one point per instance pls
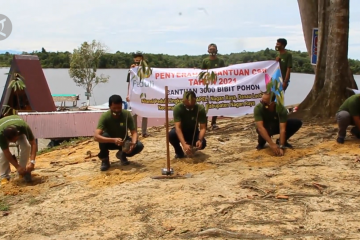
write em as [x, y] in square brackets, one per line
[202, 132]
[357, 121]
[10, 158]
[203, 65]
[289, 66]
[263, 132]
[101, 139]
[134, 136]
[33, 149]
[179, 133]
[282, 133]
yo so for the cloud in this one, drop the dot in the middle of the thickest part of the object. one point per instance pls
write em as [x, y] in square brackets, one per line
[157, 27]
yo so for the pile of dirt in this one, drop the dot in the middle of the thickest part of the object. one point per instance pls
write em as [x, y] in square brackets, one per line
[231, 190]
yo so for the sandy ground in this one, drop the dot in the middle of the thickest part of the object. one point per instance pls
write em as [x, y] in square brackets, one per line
[231, 190]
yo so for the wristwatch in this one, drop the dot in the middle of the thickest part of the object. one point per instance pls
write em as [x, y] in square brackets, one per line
[32, 161]
[282, 147]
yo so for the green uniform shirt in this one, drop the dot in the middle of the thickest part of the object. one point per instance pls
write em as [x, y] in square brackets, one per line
[19, 124]
[116, 127]
[270, 119]
[209, 64]
[351, 105]
[187, 118]
[285, 63]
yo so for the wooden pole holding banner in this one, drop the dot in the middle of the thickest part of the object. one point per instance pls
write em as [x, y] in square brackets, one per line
[167, 128]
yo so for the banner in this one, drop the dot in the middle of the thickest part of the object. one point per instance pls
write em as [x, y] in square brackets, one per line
[236, 92]
[315, 33]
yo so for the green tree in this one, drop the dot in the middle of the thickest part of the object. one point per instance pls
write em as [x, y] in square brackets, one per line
[84, 63]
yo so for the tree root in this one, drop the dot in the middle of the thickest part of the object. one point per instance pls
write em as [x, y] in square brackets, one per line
[217, 232]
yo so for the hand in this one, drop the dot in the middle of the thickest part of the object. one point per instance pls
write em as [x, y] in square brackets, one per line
[284, 85]
[30, 167]
[128, 98]
[281, 152]
[118, 141]
[187, 148]
[21, 170]
[132, 146]
[198, 144]
[275, 148]
[277, 59]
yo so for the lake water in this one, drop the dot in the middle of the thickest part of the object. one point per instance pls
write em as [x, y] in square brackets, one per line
[60, 83]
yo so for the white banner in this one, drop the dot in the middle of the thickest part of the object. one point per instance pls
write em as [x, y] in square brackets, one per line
[237, 91]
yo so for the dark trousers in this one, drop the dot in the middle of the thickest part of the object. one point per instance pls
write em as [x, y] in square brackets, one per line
[105, 147]
[213, 120]
[292, 126]
[344, 119]
[188, 136]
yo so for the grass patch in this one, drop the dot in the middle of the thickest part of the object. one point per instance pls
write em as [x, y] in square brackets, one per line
[68, 143]
[4, 205]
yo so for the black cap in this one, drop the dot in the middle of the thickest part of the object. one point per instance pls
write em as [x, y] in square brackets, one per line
[138, 54]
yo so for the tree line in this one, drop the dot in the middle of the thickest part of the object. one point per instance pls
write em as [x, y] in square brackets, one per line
[301, 60]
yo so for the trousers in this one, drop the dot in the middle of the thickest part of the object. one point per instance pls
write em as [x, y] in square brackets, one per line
[25, 149]
[188, 136]
[292, 126]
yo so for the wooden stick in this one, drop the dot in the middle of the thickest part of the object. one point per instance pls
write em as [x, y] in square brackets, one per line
[167, 128]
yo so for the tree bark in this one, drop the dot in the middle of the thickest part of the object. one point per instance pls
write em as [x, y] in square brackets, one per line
[309, 18]
[332, 74]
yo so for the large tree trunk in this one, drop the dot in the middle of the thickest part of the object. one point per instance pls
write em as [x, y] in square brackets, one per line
[309, 19]
[332, 74]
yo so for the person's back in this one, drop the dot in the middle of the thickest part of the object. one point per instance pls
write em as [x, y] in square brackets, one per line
[349, 114]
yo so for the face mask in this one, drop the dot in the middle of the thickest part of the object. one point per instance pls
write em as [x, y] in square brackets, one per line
[136, 63]
[116, 113]
[277, 48]
[212, 53]
[189, 109]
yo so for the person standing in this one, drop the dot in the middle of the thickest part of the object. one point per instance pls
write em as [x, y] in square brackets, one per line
[349, 114]
[285, 60]
[213, 61]
[138, 57]
[14, 129]
[112, 134]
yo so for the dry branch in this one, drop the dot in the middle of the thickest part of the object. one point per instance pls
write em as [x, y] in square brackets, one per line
[217, 232]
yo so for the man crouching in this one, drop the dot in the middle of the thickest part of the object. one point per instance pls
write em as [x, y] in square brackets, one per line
[112, 134]
[270, 121]
[187, 116]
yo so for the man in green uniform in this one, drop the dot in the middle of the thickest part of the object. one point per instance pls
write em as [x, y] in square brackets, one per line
[285, 60]
[14, 129]
[112, 134]
[187, 117]
[349, 114]
[138, 57]
[213, 61]
[270, 121]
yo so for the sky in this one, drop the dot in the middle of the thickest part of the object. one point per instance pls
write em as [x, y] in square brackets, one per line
[161, 26]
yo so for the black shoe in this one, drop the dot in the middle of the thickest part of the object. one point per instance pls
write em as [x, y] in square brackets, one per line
[287, 145]
[122, 157]
[260, 146]
[340, 140]
[354, 131]
[105, 164]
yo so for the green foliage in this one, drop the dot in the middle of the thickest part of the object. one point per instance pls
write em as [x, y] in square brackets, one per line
[279, 98]
[301, 60]
[17, 83]
[84, 63]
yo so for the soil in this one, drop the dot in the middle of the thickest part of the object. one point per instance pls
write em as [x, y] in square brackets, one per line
[229, 190]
